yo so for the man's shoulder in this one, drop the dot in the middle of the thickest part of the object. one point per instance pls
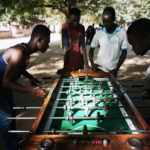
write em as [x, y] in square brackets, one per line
[16, 49]
[123, 33]
[100, 32]
[15, 54]
[121, 30]
[65, 25]
[81, 25]
[22, 46]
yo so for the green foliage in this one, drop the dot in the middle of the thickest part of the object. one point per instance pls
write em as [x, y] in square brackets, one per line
[25, 10]
[127, 11]
[54, 16]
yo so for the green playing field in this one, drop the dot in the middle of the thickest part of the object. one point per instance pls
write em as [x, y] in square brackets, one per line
[85, 102]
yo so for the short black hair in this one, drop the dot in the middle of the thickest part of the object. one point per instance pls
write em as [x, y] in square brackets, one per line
[41, 30]
[109, 10]
[75, 11]
[139, 28]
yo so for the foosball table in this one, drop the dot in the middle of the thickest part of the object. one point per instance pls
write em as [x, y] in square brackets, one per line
[88, 110]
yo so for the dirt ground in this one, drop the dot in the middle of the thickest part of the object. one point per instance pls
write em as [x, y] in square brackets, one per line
[133, 71]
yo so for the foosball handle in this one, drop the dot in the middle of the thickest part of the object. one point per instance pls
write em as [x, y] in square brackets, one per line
[98, 118]
[85, 131]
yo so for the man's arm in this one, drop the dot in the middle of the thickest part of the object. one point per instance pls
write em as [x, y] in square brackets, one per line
[65, 47]
[66, 58]
[124, 47]
[91, 57]
[120, 62]
[33, 81]
[94, 44]
[84, 54]
[122, 58]
[12, 71]
[83, 49]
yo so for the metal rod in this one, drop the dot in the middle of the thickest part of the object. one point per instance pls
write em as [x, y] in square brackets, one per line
[89, 107]
[139, 97]
[80, 131]
[83, 107]
[104, 98]
[73, 118]
[72, 92]
[21, 118]
[90, 118]
[20, 131]
[25, 108]
[87, 86]
[134, 85]
[96, 107]
[95, 131]
[127, 91]
[125, 80]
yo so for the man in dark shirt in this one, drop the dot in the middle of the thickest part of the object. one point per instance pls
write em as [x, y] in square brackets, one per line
[13, 64]
[139, 37]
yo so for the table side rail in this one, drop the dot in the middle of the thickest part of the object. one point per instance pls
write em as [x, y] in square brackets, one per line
[132, 107]
[43, 109]
[67, 142]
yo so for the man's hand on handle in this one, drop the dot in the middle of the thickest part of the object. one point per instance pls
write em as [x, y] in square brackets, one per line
[42, 93]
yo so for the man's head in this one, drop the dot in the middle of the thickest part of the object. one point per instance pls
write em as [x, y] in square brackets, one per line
[41, 37]
[108, 17]
[139, 36]
[74, 17]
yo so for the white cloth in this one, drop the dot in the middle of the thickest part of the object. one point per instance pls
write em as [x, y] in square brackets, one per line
[110, 47]
[148, 76]
[148, 73]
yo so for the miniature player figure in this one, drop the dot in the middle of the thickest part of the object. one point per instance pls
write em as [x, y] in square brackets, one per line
[112, 40]
[94, 100]
[73, 43]
[139, 37]
[82, 100]
[86, 109]
[13, 64]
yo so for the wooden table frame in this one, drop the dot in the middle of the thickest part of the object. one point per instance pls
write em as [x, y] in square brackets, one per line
[116, 141]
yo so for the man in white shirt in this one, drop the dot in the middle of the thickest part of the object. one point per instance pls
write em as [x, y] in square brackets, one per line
[112, 40]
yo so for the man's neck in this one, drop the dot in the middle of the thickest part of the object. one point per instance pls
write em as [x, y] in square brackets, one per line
[112, 29]
[31, 47]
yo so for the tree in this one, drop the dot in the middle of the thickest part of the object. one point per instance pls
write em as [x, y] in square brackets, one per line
[127, 10]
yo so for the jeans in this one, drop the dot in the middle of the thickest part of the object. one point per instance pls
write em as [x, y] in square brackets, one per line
[6, 105]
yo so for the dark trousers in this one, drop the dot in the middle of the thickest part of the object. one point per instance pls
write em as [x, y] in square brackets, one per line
[6, 105]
